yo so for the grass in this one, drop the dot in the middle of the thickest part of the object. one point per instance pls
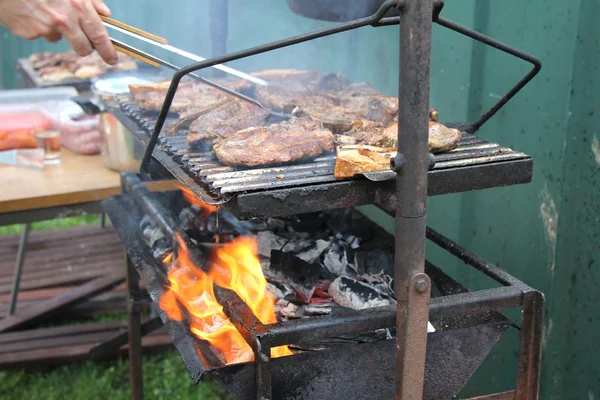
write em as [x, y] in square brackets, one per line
[165, 376]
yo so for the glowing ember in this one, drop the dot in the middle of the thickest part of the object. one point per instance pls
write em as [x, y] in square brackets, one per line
[192, 289]
[236, 267]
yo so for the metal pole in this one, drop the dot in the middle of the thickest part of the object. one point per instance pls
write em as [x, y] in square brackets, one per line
[530, 348]
[412, 164]
[18, 269]
[135, 334]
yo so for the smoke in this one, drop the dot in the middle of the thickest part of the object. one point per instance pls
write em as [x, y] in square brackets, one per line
[200, 27]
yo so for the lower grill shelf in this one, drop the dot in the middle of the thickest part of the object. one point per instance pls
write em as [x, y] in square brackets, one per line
[310, 186]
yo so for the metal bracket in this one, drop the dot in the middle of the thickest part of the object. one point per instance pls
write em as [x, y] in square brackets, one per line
[414, 327]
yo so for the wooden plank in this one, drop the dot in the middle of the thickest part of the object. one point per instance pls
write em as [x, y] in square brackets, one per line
[61, 302]
[61, 331]
[60, 341]
[70, 354]
[65, 279]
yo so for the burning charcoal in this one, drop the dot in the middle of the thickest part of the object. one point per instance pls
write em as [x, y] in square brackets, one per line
[187, 217]
[336, 261]
[313, 253]
[280, 290]
[291, 310]
[154, 238]
[351, 293]
[315, 309]
[268, 241]
[352, 241]
[276, 224]
[293, 271]
[374, 262]
[288, 310]
[381, 282]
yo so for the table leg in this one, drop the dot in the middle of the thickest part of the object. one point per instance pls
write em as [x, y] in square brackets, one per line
[18, 269]
[135, 334]
[102, 220]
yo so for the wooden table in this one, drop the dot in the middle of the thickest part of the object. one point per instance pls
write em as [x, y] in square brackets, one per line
[77, 180]
[74, 187]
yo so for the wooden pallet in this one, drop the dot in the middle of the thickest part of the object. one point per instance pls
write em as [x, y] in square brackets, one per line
[65, 277]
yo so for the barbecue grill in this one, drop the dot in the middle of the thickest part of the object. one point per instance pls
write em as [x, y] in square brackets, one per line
[435, 365]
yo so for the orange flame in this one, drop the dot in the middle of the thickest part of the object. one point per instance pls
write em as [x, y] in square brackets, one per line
[192, 288]
[236, 267]
[192, 199]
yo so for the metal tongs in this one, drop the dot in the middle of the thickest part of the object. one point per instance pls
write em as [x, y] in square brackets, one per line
[161, 43]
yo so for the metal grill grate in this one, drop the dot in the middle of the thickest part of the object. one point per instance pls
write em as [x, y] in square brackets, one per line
[203, 166]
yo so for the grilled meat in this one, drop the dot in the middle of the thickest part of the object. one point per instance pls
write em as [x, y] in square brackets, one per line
[285, 99]
[332, 83]
[357, 89]
[227, 118]
[376, 107]
[441, 138]
[189, 95]
[366, 132]
[189, 115]
[433, 115]
[57, 66]
[337, 119]
[288, 141]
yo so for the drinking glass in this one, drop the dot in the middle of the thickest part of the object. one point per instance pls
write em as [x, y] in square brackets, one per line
[48, 122]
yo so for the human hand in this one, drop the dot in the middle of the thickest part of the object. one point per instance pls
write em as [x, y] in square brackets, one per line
[77, 20]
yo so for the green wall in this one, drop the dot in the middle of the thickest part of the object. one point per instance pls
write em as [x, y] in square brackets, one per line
[546, 233]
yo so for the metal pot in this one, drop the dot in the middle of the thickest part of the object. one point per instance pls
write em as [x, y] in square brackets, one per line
[120, 150]
[337, 10]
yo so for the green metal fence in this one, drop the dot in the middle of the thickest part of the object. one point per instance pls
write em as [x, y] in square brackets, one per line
[546, 233]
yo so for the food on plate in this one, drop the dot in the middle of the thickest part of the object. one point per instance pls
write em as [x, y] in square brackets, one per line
[352, 160]
[285, 142]
[230, 117]
[57, 67]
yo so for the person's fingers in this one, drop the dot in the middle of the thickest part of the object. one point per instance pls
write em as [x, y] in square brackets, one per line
[96, 32]
[101, 8]
[53, 37]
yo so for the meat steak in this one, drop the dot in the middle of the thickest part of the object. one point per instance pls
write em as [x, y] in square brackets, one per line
[441, 138]
[294, 94]
[285, 142]
[227, 118]
[376, 107]
[337, 119]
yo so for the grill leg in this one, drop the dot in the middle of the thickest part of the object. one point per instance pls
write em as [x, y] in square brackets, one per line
[135, 335]
[412, 164]
[530, 348]
[18, 269]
